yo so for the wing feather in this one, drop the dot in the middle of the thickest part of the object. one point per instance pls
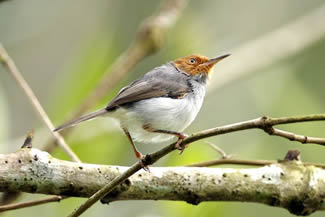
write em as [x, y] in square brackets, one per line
[160, 82]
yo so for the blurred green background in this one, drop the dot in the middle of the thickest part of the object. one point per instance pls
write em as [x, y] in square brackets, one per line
[64, 47]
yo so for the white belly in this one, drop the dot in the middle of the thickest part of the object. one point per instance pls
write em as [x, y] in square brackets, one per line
[161, 113]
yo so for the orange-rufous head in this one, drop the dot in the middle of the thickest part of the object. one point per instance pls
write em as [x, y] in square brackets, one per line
[197, 64]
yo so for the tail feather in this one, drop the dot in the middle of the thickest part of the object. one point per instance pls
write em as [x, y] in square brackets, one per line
[81, 119]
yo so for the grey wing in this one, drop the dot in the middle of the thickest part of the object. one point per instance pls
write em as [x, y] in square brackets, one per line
[160, 82]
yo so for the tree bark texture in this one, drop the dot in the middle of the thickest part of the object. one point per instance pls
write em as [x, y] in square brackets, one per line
[288, 184]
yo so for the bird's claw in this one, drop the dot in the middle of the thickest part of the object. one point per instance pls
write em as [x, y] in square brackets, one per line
[143, 164]
[178, 145]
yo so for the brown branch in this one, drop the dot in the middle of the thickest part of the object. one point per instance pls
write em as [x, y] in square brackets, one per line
[290, 156]
[217, 162]
[295, 137]
[9, 64]
[150, 38]
[31, 203]
[264, 123]
[232, 162]
[294, 119]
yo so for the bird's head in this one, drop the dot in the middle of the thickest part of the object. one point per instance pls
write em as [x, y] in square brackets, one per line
[197, 64]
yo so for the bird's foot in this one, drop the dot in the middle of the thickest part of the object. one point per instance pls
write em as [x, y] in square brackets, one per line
[142, 161]
[178, 145]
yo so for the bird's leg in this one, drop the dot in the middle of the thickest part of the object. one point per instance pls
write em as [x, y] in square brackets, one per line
[138, 154]
[181, 136]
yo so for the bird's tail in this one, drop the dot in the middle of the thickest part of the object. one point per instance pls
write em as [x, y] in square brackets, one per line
[82, 119]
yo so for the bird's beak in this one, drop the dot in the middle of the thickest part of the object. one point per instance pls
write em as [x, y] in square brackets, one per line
[213, 61]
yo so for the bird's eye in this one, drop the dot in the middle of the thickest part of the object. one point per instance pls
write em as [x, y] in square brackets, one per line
[192, 60]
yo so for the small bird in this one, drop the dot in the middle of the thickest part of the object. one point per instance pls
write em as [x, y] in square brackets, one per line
[159, 106]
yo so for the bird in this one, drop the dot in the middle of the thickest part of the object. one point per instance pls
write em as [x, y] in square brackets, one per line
[161, 104]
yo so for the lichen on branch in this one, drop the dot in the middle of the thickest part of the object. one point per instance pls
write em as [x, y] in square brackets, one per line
[288, 184]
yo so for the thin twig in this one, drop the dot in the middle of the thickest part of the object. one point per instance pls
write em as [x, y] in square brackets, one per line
[295, 137]
[233, 162]
[28, 140]
[295, 119]
[218, 162]
[150, 38]
[106, 189]
[219, 150]
[9, 64]
[31, 203]
[265, 123]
